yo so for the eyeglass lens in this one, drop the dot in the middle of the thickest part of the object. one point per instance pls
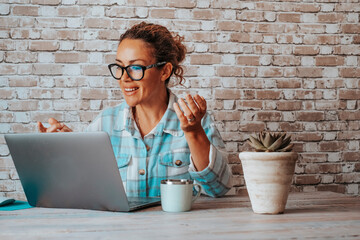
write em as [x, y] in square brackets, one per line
[135, 72]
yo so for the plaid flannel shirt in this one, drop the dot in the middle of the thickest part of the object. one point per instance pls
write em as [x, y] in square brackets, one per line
[163, 153]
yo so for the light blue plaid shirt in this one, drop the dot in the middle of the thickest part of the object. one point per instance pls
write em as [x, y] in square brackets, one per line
[163, 153]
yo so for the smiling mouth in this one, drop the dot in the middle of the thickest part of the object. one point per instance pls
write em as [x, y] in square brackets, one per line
[131, 89]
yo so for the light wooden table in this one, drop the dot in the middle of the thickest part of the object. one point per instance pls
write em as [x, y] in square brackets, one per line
[308, 215]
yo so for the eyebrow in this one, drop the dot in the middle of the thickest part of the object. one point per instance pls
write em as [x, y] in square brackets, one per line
[139, 59]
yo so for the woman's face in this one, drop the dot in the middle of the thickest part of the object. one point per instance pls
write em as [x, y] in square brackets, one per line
[147, 90]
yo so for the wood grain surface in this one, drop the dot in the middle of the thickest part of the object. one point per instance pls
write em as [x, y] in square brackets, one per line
[317, 215]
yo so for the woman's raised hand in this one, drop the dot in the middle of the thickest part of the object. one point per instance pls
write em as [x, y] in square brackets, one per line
[55, 126]
[194, 110]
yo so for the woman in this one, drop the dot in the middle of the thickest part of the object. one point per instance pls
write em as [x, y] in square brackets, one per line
[154, 134]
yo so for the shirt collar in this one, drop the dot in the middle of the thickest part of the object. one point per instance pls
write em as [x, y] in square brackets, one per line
[169, 123]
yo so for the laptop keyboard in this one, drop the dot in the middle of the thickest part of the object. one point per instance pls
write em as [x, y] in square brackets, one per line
[134, 201]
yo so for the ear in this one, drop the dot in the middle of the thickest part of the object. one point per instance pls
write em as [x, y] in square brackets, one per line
[166, 71]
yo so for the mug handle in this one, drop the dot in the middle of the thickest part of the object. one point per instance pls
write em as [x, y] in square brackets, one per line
[198, 192]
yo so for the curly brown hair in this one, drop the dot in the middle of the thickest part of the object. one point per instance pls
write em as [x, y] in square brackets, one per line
[167, 47]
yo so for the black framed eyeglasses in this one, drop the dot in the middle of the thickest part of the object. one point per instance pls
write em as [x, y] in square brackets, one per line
[135, 71]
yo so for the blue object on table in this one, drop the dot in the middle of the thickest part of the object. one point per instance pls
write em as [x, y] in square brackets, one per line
[8, 204]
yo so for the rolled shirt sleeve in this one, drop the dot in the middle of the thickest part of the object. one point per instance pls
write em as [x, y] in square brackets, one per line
[216, 178]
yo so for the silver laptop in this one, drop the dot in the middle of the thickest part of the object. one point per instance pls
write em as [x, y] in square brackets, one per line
[71, 170]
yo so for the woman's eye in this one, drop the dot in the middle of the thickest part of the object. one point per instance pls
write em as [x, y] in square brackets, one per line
[135, 68]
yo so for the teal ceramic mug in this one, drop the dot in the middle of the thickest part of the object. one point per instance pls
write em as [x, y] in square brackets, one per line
[177, 194]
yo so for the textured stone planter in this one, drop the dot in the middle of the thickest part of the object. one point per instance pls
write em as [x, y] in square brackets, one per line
[268, 177]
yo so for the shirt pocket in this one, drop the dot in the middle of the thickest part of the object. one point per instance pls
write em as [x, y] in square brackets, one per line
[123, 160]
[176, 164]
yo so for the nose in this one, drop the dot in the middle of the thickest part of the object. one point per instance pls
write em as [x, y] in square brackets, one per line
[125, 77]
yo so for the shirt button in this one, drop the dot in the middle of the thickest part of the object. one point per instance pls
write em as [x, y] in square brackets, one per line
[178, 162]
[147, 148]
[141, 171]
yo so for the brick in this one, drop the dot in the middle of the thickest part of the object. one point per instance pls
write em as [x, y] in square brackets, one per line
[269, 116]
[348, 178]
[43, 46]
[8, 69]
[288, 105]
[73, 11]
[26, 10]
[69, 35]
[270, 72]
[309, 72]
[329, 61]
[351, 156]
[246, 38]
[70, 57]
[248, 105]
[293, 83]
[46, 2]
[7, 186]
[351, 94]
[313, 157]
[268, 94]
[94, 94]
[251, 16]
[206, 14]
[204, 37]
[229, 71]
[307, 7]
[252, 127]
[205, 59]
[286, 61]
[229, 26]
[346, 50]
[350, 72]
[310, 116]
[96, 70]
[23, 81]
[307, 179]
[332, 188]
[45, 93]
[236, 169]
[271, 28]
[47, 69]
[306, 50]
[181, 4]
[248, 60]
[97, 23]
[326, 39]
[25, 34]
[227, 94]
[26, 105]
[20, 57]
[289, 17]
[332, 146]
[330, 17]
[308, 137]
[349, 135]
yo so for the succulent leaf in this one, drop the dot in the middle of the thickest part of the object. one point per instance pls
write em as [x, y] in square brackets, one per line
[268, 140]
[271, 142]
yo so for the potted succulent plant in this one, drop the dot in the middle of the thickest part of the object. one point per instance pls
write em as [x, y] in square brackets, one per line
[268, 171]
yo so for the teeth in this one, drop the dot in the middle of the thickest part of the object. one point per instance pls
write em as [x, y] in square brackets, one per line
[130, 89]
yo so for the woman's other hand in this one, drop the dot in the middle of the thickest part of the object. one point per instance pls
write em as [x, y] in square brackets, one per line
[194, 110]
[55, 126]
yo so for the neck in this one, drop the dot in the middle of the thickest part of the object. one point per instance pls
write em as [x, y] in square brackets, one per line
[147, 116]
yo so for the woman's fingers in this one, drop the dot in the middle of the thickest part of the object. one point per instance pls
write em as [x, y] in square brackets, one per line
[66, 129]
[55, 127]
[41, 127]
[53, 121]
[179, 113]
[187, 112]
